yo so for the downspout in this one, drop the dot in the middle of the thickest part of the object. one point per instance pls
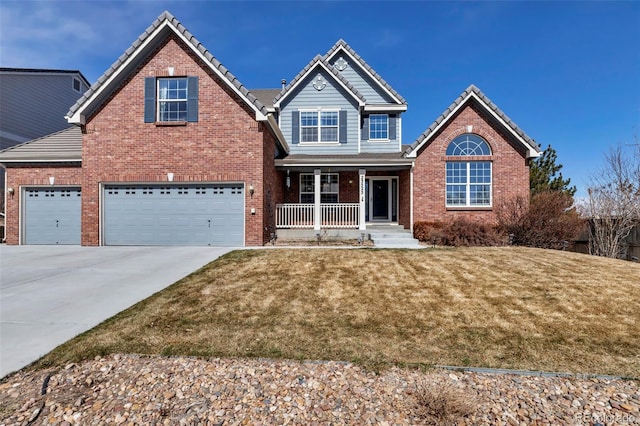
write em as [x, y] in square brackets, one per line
[6, 199]
[413, 163]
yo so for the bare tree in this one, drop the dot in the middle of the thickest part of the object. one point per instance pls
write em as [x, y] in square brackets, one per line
[614, 201]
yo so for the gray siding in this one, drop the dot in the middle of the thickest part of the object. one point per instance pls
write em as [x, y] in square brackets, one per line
[369, 88]
[34, 105]
[333, 95]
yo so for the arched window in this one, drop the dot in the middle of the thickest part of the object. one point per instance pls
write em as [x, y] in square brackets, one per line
[468, 145]
[468, 181]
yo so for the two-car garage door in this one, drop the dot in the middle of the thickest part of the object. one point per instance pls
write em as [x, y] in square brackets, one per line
[174, 214]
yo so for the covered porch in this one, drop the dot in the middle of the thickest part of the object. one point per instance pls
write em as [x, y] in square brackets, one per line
[325, 194]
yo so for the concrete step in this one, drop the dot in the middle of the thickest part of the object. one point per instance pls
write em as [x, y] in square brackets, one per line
[398, 239]
[383, 235]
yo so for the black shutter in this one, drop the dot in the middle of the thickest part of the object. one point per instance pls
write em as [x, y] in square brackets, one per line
[392, 126]
[295, 127]
[365, 128]
[149, 99]
[192, 99]
[343, 127]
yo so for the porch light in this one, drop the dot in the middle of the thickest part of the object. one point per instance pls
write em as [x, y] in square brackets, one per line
[170, 177]
[251, 190]
[52, 180]
[288, 180]
[10, 191]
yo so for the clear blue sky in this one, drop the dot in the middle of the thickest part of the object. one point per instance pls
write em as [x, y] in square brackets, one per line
[568, 73]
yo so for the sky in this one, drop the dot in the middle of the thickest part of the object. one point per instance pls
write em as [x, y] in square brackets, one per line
[567, 73]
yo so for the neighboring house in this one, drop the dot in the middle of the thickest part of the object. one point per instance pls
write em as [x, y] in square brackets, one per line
[33, 102]
[171, 149]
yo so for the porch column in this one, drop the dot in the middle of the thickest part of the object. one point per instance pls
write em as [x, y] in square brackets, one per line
[316, 200]
[361, 186]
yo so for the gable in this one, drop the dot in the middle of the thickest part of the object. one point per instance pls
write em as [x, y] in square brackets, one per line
[362, 73]
[473, 96]
[354, 74]
[163, 26]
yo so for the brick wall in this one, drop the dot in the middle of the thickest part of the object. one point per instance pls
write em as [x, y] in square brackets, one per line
[225, 145]
[510, 169]
[18, 177]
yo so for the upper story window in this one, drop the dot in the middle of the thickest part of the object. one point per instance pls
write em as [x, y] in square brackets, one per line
[329, 188]
[319, 126]
[468, 144]
[468, 179]
[171, 100]
[379, 127]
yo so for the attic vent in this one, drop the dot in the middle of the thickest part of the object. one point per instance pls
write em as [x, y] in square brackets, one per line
[340, 64]
[319, 82]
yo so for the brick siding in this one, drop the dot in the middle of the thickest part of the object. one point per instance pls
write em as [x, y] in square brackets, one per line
[510, 169]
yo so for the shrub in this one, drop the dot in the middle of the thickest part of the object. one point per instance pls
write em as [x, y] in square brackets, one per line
[459, 233]
[547, 221]
[441, 404]
[430, 232]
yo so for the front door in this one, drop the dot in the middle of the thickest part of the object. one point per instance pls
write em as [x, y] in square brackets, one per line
[381, 199]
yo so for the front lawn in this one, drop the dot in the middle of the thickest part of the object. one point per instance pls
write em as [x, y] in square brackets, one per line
[486, 307]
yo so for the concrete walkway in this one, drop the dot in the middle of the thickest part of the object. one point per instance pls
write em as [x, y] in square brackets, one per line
[49, 294]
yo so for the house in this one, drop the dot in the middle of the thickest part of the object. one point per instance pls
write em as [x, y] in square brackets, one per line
[43, 94]
[169, 148]
[33, 103]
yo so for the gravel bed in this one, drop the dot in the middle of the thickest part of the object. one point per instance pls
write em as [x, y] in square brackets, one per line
[138, 390]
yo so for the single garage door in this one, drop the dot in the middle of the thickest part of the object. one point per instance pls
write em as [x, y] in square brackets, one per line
[184, 214]
[52, 215]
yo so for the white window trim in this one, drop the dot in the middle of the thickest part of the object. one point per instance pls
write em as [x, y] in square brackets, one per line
[319, 111]
[468, 185]
[333, 175]
[376, 140]
[159, 100]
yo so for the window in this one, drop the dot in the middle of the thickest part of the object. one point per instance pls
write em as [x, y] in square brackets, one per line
[468, 183]
[172, 99]
[319, 123]
[378, 126]
[329, 187]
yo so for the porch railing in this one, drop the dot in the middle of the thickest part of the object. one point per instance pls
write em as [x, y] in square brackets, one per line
[342, 215]
[294, 215]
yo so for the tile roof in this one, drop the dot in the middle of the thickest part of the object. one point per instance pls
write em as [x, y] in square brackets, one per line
[315, 61]
[177, 26]
[343, 44]
[362, 159]
[266, 96]
[472, 89]
[62, 146]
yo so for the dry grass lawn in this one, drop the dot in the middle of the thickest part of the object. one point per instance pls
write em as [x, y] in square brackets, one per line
[488, 307]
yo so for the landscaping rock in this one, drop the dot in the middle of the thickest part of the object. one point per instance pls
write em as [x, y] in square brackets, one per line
[129, 389]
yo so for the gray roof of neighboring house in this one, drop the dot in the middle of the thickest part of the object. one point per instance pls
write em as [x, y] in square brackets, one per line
[231, 79]
[341, 43]
[316, 60]
[447, 113]
[44, 71]
[266, 96]
[65, 145]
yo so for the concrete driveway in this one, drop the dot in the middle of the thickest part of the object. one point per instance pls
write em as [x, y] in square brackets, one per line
[49, 294]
